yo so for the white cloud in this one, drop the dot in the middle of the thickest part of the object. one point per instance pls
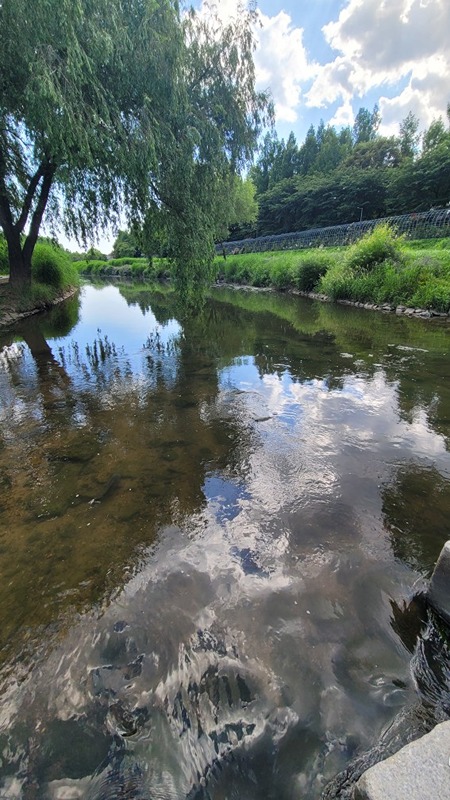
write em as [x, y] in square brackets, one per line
[343, 116]
[383, 44]
[281, 61]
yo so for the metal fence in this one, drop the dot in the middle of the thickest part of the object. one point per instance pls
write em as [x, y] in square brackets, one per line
[422, 225]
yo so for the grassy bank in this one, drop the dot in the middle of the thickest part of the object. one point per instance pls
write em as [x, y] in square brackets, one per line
[158, 270]
[380, 268]
[54, 276]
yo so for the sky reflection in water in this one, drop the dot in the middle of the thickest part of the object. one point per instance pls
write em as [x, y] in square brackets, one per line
[220, 503]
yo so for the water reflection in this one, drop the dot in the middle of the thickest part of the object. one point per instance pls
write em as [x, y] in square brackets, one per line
[415, 507]
[225, 502]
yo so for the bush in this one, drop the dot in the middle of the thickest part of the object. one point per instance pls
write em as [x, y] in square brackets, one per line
[280, 276]
[380, 245]
[95, 255]
[337, 282]
[261, 274]
[50, 265]
[435, 294]
[128, 262]
[307, 273]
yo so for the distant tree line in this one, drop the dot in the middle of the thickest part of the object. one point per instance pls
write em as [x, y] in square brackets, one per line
[339, 176]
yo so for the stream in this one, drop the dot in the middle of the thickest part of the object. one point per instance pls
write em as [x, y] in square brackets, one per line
[212, 533]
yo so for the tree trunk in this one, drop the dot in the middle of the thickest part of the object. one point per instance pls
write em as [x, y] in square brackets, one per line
[20, 256]
[19, 263]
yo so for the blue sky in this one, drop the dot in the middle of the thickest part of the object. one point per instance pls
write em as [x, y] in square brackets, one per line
[324, 59]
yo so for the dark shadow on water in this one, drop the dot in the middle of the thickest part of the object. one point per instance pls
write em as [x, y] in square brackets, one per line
[415, 508]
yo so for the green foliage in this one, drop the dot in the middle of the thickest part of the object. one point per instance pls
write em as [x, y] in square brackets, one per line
[52, 267]
[127, 245]
[122, 262]
[374, 248]
[116, 106]
[280, 276]
[310, 268]
[433, 294]
[335, 178]
[435, 135]
[337, 281]
[95, 255]
[322, 200]
[381, 269]
[158, 270]
[366, 125]
[409, 138]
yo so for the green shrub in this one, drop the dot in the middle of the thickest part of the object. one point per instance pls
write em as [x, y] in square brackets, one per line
[51, 266]
[337, 282]
[82, 266]
[307, 273]
[128, 262]
[95, 255]
[280, 276]
[380, 245]
[228, 269]
[261, 274]
[433, 294]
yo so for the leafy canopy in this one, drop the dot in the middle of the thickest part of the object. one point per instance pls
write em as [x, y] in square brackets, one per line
[107, 105]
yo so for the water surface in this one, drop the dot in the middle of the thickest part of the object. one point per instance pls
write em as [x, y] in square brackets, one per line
[210, 530]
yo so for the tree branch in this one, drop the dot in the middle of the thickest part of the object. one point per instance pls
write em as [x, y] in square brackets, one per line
[31, 191]
[177, 209]
[49, 171]
[6, 220]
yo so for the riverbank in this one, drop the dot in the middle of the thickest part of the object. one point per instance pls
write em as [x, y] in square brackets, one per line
[14, 307]
[386, 308]
[423, 313]
[381, 271]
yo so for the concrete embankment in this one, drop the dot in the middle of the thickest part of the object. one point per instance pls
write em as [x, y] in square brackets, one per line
[419, 771]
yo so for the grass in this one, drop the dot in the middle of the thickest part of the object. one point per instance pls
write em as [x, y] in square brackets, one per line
[53, 274]
[126, 267]
[380, 268]
[286, 269]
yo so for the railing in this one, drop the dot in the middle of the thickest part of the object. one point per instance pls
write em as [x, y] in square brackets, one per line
[422, 225]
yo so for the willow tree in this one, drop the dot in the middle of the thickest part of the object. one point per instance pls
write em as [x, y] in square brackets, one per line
[109, 107]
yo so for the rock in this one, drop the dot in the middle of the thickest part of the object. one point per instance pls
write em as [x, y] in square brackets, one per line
[419, 771]
[438, 594]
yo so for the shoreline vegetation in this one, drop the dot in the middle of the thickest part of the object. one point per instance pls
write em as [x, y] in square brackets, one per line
[382, 271]
[55, 278]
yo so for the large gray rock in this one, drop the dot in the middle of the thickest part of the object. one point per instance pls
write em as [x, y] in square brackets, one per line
[439, 590]
[419, 771]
